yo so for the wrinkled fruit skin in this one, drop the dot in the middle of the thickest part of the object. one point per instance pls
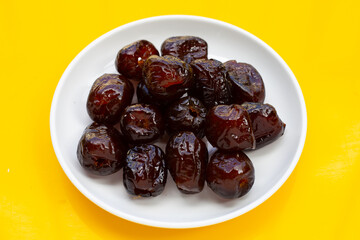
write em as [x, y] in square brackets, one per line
[267, 125]
[228, 127]
[230, 175]
[108, 97]
[246, 82]
[101, 150]
[186, 159]
[144, 171]
[144, 96]
[210, 83]
[186, 114]
[187, 48]
[142, 123]
[167, 77]
[130, 59]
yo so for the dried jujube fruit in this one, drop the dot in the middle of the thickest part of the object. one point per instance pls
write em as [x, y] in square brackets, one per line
[130, 59]
[187, 48]
[101, 150]
[210, 83]
[228, 127]
[189, 95]
[230, 174]
[167, 77]
[267, 125]
[186, 158]
[144, 171]
[246, 82]
[142, 123]
[186, 114]
[109, 96]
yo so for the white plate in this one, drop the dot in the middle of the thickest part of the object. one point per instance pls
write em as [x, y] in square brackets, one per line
[273, 163]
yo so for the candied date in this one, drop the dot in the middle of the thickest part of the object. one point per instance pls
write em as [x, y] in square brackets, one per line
[230, 175]
[197, 96]
[246, 82]
[167, 77]
[144, 171]
[101, 150]
[210, 83]
[267, 125]
[228, 127]
[187, 48]
[130, 59]
[108, 97]
[186, 114]
[142, 123]
[186, 158]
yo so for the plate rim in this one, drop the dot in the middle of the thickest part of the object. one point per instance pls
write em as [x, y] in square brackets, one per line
[187, 224]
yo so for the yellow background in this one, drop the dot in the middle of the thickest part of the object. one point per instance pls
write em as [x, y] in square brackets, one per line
[318, 39]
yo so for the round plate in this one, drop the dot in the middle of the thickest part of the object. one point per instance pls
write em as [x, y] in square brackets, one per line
[172, 209]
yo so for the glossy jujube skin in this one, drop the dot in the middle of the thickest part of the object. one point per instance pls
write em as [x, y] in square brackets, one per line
[130, 59]
[230, 174]
[144, 96]
[246, 83]
[186, 159]
[142, 123]
[144, 171]
[228, 127]
[210, 83]
[186, 114]
[266, 123]
[167, 78]
[109, 96]
[101, 150]
[187, 48]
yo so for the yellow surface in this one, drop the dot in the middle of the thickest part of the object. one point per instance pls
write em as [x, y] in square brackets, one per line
[318, 39]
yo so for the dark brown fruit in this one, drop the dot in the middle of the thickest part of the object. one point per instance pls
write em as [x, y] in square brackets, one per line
[130, 59]
[108, 97]
[167, 77]
[186, 158]
[246, 82]
[230, 175]
[210, 83]
[267, 125]
[144, 96]
[101, 150]
[142, 123]
[144, 171]
[187, 48]
[228, 127]
[186, 114]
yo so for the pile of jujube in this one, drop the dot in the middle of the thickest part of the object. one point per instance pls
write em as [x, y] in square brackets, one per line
[183, 97]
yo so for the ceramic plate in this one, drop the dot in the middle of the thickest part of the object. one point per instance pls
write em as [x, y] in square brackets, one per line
[273, 163]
